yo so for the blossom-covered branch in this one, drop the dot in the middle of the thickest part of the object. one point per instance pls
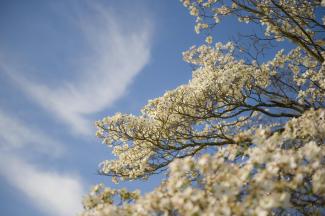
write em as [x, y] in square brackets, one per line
[265, 119]
[283, 173]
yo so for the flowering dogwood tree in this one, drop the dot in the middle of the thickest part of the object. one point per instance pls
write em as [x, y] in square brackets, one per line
[264, 118]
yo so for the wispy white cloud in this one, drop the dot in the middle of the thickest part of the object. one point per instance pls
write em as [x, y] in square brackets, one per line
[53, 193]
[119, 51]
[17, 136]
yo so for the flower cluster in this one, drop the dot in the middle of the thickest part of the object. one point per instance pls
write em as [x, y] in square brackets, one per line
[264, 121]
[225, 97]
[283, 19]
[280, 172]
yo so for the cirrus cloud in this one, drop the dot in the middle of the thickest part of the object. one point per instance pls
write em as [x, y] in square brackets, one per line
[118, 52]
[54, 193]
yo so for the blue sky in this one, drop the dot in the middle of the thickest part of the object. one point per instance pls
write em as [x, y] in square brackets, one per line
[65, 64]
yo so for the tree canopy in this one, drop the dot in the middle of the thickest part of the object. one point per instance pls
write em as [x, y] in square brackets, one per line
[264, 117]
